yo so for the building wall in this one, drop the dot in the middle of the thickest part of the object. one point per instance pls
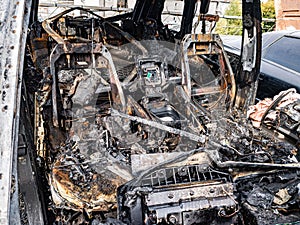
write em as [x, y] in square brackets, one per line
[87, 2]
[287, 14]
[175, 7]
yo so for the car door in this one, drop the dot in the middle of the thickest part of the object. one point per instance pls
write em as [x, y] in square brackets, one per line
[280, 67]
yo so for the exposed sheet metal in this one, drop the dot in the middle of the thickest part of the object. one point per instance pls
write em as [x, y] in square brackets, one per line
[14, 23]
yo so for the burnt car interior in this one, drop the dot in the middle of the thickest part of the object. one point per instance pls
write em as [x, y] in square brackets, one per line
[126, 121]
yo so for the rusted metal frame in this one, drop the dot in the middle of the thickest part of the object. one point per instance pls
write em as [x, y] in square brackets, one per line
[47, 27]
[118, 95]
[139, 110]
[129, 38]
[57, 52]
[39, 130]
[132, 74]
[186, 74]
[116, 88]
[224, 81]
[202, 38]
[206, 17]
[185, 44]
[14, 18]
[231, 74]
[75, 48]
[160, 126]
[47, 23]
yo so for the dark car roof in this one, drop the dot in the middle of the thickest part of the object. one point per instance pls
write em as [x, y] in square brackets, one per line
[295, 34]
[270, 37]
[233, 42]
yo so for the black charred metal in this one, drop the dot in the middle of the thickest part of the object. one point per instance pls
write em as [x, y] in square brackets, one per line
[187, 18]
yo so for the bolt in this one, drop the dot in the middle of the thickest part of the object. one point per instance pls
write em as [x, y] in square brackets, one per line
[222, 213]
[170, 195]
[172, 219]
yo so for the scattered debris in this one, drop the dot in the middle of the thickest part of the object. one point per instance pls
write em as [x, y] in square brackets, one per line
[281, 114]
[282, 197]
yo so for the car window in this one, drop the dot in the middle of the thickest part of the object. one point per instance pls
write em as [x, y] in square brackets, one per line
[270, 37]
[285, 52]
